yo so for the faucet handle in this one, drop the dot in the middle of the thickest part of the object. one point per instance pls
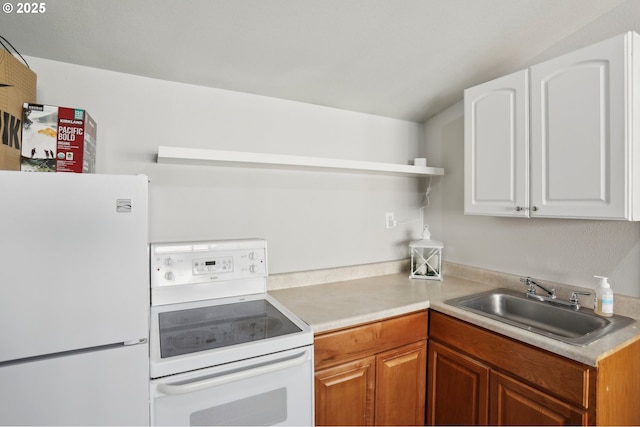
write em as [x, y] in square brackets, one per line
[574, 295]
[531, 285]
[574, 299]
[527, 281]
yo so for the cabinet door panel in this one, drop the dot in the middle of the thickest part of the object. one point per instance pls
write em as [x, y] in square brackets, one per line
[578, 133]
[401, 385]
[454, 378]
[344, 394]
[495, 146]
[515, 403]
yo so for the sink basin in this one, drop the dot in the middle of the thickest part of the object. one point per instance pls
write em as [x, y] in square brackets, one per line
[565, 324]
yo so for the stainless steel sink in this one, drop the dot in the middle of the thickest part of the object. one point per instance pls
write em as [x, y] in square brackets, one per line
[565, 324]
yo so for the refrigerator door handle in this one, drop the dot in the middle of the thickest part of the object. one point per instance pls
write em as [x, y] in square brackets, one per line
[173, 389]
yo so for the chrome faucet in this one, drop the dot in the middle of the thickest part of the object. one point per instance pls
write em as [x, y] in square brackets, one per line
[551, 294]
[531, 289]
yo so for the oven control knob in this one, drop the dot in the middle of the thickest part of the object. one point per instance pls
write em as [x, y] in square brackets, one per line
[168, 261]
[169, 275]
[252, 255]
[252, 268]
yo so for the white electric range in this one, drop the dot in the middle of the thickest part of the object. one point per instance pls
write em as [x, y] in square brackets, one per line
[223, 351]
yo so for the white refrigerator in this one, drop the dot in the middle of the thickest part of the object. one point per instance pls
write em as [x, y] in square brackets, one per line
[74, 299]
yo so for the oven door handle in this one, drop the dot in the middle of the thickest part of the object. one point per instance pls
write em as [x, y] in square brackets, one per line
[173, 389]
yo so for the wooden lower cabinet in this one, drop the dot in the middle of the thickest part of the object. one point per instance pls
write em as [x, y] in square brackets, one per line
[376, 374]
[455, 379]
[373, 374]
[478, 377]
[345, 393]
[464, 391]
[401, 376]
[515, 403]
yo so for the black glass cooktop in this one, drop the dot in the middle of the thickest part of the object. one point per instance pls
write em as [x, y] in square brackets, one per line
[217, 326]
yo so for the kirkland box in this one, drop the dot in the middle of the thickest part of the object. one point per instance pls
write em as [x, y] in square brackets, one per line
[58, 139]
[17, 86]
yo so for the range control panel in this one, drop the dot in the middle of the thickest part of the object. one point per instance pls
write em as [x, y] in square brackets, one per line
[213, 265]
[187, 263]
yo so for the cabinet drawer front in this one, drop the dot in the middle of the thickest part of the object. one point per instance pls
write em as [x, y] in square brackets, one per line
[562, 377]
[371, 338]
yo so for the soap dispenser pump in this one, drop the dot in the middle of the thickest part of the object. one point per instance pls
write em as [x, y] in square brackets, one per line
[603, 304]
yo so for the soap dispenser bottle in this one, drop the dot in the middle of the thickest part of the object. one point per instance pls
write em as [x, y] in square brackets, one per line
[603, 304]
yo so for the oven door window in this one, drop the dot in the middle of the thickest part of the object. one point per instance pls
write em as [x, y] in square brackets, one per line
[211, 327]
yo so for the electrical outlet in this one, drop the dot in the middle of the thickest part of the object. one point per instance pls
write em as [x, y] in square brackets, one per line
[390, 220]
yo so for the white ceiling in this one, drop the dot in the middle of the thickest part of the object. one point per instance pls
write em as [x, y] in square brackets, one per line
[406, 59]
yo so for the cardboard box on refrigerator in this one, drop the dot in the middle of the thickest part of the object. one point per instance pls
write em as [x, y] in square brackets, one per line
[58, 139]
[17, 86]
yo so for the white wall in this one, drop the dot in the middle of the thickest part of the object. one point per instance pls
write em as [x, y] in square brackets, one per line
[315, 220]
[311, 220]
[559, 250]
[565, 251]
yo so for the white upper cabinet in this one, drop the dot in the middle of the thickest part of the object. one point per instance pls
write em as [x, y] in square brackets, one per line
[581, 132]
[582, 158]
[495, 147]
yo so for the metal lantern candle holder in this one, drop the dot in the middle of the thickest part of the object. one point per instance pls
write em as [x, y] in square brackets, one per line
[426, 257]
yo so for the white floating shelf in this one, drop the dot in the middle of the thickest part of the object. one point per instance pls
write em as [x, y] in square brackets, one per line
[199, 156]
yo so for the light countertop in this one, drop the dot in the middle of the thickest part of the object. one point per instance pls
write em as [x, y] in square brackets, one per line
[341, 304]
